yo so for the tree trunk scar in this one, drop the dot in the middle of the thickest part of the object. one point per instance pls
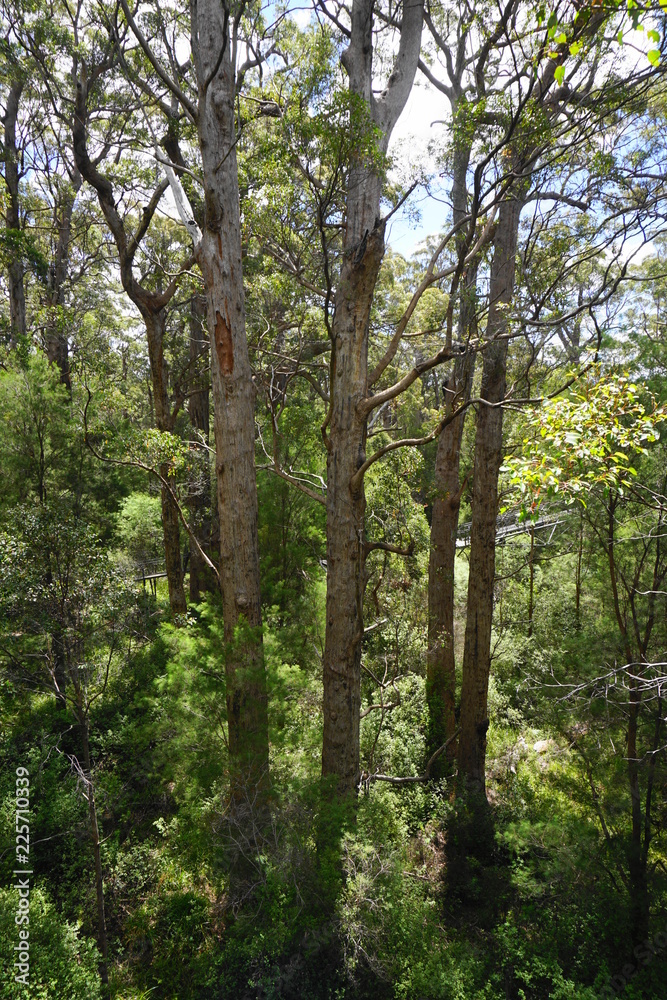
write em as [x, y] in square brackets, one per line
[223, 344]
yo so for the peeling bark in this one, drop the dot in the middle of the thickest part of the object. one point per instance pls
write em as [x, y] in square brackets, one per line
[223, 344]
[219, 257]
[488, 457]
[201, 577]
[56, 341]
[440, 660]
[346, 503]
[346, 507]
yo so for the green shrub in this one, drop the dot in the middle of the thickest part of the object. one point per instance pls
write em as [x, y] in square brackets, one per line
[62, 965]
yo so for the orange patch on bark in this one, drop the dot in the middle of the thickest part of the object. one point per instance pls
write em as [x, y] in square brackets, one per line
[223, 344]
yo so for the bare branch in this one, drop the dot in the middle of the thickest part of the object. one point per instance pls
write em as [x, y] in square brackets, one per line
[170, 84]
[368, 779]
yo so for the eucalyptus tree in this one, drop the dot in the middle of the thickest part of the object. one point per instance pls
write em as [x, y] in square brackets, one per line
[62, 183]
[12, 156]
[337, 159]
[72, 48]
[461, 68]
[340, 161]
[197, 98]
[25, 134]
[350, 404]
[528, 125]
[39, 192]
[152, 302]
[63, 228]
[41, 181]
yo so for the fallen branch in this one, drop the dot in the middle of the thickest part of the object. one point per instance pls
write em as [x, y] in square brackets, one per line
[367, 779]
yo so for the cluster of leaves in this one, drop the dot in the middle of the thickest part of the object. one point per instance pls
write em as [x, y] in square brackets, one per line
[61, 962]
[584, 440]
[17, 245]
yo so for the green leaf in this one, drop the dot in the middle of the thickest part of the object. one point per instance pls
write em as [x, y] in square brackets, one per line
[653, 56]
[575, 47]
[560, 73]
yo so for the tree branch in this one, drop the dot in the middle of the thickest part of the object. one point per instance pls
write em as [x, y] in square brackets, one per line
[146, 217]
[136, 464]
[295, 482]
[388, 108]
[388, 547]
[430, 277]
[367, 780]
[182, 98]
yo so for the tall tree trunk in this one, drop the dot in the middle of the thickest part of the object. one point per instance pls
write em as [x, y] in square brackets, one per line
[440, 659]
[201, 577]
[155, 327]
[56, 342]
[17, 315]
[219, 257]
[346, 506]
[488, 457]
[523, 153]
[347, 423]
